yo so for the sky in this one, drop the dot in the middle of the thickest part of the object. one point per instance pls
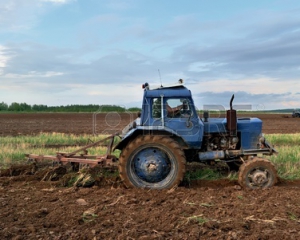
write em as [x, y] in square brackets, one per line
[63, 52]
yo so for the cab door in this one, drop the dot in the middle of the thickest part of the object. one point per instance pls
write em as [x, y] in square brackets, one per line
[181, 116]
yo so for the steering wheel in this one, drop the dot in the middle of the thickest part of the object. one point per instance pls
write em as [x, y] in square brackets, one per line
[185, 111]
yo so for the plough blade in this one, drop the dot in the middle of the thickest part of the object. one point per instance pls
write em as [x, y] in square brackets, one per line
[92, 161]
[106, 161]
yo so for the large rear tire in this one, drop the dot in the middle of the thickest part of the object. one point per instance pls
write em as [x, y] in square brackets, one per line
[257, 173]
[155, 162]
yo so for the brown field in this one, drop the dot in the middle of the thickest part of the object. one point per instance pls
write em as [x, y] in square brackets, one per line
[35, 209]
[89, 123]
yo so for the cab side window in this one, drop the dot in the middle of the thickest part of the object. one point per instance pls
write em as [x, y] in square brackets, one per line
[156, 108]
[178, 107]
[173, 108]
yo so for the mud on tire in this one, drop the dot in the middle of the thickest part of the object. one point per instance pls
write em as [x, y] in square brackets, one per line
[155, 162]
[257, 173]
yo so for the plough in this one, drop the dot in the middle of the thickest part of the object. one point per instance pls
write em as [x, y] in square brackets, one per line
[81, 156]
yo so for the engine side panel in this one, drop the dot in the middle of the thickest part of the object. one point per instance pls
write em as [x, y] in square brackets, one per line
[250, 129]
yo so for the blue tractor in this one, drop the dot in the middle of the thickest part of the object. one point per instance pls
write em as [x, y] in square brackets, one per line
[169, 133]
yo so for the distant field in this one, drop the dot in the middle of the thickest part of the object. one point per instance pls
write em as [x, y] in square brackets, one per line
[104, 123]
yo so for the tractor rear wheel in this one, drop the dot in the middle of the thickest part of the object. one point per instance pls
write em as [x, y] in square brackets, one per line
[257, 173]
[155, 162]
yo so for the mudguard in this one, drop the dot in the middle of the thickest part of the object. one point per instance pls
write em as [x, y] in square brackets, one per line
[149, 130]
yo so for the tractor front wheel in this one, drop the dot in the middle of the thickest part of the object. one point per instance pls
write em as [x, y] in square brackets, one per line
[155, 162]
[257, 173]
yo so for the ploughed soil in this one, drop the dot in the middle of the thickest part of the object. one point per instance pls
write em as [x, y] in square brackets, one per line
[42, 202]
[104, 123]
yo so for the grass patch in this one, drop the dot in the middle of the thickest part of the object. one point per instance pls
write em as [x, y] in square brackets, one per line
[287, 162]
[278, 140]
[200, 174]
[197, 219]
[292, 216]
[13, 149]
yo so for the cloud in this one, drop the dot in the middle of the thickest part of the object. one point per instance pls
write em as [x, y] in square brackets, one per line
[120, 5]
[253, 57]
[17, 15]
[3, 58]
[258, 85]
[59, 65]
[235, 48]
[246, 101]
[21, 16]
[57, 1]
[32, 74]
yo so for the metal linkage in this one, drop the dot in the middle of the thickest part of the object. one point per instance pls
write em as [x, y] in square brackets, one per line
[108, 160]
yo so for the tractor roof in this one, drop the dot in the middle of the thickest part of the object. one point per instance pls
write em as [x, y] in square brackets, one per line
[173, 91]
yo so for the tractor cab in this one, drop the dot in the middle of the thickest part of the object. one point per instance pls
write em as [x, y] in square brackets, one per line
[171, 109]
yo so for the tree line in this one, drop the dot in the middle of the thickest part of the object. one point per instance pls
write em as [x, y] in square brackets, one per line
[24, 107]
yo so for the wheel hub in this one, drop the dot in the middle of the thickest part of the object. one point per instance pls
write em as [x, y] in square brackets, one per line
[259, 177]
[151, 165]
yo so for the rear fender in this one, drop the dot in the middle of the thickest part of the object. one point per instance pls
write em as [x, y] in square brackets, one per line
[133, 133]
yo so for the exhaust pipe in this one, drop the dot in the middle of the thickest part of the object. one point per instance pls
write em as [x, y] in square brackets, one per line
[231, 119]
[203, 156]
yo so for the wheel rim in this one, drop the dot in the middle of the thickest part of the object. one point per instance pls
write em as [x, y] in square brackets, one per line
[259, 177]
[151, 165]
